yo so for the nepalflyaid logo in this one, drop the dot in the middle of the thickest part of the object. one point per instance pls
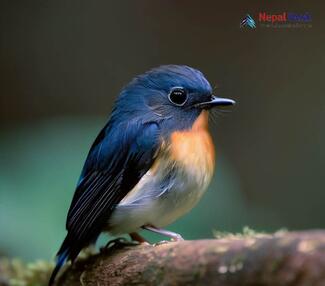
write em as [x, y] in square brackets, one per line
[248, 21]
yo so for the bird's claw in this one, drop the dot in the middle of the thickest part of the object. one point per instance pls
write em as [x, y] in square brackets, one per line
[120, 242]
[177, 237]
[173, 239]
[161, 242]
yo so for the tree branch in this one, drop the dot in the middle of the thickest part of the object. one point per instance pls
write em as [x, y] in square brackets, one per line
[296, 258]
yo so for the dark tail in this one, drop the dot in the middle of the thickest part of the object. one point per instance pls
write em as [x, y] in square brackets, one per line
[69, 250]
[62, 256]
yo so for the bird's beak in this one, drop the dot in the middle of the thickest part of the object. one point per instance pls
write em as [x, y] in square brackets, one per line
[216, 101]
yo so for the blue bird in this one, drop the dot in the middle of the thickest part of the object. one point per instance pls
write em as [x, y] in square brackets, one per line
[149, 165]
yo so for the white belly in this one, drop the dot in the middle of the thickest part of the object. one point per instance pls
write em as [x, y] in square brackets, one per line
[164, 194]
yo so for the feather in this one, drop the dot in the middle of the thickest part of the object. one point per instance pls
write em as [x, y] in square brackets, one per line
[106, 179]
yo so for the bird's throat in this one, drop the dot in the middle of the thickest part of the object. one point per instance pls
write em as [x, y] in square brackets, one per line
[202, 122]
[194, 148]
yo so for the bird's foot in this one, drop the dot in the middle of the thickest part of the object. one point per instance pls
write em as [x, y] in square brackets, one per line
[119, 243]
[161, 242]
[176, 237]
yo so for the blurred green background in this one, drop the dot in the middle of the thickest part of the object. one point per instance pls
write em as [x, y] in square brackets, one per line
[64, 62]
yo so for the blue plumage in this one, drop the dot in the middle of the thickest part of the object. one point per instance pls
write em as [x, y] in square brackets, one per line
[61, 259]
[143, 117]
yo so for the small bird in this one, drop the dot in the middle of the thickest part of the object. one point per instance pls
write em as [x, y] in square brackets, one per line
[149, 165]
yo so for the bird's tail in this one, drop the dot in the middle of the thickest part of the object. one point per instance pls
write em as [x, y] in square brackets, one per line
[61, 258]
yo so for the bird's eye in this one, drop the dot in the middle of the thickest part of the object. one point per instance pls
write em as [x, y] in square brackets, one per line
[178, 96]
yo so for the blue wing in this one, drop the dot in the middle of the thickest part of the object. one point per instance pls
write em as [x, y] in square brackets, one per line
[117, 160]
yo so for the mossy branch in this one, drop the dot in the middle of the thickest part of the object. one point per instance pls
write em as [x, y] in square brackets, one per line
[285, 258]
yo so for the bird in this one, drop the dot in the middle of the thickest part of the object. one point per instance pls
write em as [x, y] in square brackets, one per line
[149, 165]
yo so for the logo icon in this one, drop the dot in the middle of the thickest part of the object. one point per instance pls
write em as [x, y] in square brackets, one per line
[248, 21]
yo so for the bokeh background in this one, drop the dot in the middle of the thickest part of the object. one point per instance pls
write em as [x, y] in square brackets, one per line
[62, 64]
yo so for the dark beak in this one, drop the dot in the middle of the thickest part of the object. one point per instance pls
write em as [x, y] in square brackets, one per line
[215, 102]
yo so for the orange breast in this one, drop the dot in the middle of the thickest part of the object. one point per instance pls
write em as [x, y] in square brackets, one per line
[194, 148]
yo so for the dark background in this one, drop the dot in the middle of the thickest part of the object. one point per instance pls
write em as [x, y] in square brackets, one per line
[62, 63]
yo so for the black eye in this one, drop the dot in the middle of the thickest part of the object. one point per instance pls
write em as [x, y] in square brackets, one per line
[178, 96]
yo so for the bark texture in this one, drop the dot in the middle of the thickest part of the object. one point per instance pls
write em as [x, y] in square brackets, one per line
[296, 258]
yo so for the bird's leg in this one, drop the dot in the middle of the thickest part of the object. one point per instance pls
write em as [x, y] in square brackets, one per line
[137, 237]
[174, 236]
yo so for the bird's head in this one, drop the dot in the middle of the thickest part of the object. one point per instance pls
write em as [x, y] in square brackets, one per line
[176, 94]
